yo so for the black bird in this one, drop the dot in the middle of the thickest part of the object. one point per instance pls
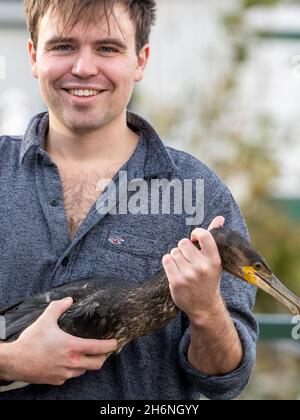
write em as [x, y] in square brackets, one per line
[105, 308]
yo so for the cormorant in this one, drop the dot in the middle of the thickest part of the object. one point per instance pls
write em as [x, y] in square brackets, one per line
[105, 309]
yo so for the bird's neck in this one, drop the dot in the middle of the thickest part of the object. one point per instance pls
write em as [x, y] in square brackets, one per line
[156, 296]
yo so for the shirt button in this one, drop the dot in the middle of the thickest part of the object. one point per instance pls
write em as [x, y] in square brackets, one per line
[53, 203]
[65, 262]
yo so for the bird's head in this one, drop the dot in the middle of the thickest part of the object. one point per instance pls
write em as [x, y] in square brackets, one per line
[240, 259]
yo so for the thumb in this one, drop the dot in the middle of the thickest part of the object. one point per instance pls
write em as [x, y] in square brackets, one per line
[57, 308]
[217, 222]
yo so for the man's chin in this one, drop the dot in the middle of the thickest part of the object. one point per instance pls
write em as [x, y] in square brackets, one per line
[79, 122]
[85, 125]
[84, 128]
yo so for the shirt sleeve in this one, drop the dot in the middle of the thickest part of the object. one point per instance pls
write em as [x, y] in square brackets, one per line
[240, 299]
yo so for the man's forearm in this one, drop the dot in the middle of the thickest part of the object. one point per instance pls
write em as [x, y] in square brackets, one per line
[215, 347]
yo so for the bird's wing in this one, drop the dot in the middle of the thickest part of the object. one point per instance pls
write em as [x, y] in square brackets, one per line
[82, 319]
[17, 317]
[95, 315]
[15, 323]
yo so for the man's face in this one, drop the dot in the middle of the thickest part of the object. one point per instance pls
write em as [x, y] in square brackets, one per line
[87, 76]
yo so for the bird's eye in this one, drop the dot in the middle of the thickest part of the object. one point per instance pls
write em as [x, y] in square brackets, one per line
[258, 266]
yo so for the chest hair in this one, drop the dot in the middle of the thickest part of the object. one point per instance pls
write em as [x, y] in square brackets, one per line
[81, 190]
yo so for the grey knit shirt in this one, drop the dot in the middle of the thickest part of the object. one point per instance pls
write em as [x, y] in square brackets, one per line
[37, 253]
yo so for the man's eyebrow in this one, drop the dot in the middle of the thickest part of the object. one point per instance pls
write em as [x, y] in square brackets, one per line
[112, 41]
[59, 39]
[104, 41]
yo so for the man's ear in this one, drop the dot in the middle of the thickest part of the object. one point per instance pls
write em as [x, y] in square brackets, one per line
[32, 55]
[142, 61]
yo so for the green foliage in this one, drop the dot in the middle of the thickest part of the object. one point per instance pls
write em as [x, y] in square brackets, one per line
[277, 237]
[254, 3]
[277, 374]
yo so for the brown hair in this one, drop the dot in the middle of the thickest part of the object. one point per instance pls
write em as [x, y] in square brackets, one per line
[141, 12]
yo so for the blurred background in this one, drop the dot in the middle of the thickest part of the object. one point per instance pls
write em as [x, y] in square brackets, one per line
[223, 83]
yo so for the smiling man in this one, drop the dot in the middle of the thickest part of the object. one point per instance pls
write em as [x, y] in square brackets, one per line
[86, 71]
[87, 57]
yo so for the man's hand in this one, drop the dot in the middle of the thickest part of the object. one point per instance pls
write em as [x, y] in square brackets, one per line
[44, 354]
[195, 276]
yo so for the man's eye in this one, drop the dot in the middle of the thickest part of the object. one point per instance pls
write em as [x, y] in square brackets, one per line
[63, 48]
[108, 50]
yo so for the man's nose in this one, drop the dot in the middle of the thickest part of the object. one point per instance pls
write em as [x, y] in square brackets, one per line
[85, 65]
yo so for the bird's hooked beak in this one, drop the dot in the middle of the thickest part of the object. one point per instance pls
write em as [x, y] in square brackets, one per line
[270, 284]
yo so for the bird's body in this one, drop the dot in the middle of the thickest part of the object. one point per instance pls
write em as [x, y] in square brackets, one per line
[108, 308]
[102, 309]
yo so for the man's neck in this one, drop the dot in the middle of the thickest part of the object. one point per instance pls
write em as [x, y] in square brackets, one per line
[114, 143]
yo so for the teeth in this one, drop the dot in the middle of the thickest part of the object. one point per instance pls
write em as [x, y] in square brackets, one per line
[83, 92]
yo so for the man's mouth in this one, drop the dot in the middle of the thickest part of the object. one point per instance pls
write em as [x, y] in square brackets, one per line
[87, 93]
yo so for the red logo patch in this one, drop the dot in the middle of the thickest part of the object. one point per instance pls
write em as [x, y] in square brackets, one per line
[116, 241]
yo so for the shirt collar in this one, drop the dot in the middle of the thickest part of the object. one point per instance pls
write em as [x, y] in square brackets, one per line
[34, 136]
[158, 161]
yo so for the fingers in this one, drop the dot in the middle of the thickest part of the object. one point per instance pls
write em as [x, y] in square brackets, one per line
[179, 258]
[93, 362]
[206, 241]
[186, 256]
[87, 363]
[81, 365]
[76, 373]
[217, 222]
[170, 267]
[57, 308]
[189, 251]
[94, 347]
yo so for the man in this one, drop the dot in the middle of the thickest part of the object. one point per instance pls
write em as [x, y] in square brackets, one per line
[87, 56]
